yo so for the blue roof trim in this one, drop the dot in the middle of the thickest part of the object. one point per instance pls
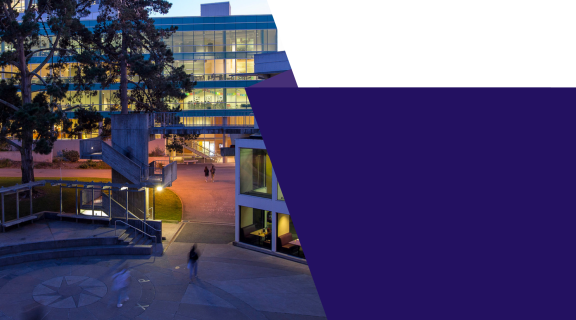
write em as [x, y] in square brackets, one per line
[199, 85]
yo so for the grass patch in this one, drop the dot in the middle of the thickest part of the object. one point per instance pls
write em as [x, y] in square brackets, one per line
[168, 205]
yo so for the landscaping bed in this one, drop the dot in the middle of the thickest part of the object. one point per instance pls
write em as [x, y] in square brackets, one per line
[47, 198]
[57, 164]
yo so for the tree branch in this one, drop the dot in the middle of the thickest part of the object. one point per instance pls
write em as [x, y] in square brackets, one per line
[8, 105]
[45, 49]
[39, 77]
[48, 57]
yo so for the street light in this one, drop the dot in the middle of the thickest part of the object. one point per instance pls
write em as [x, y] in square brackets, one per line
[159, 188]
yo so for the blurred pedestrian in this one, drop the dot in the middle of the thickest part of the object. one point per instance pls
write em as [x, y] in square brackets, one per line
[193, 262]
[213, 171]
[206, 173]
[122, 280]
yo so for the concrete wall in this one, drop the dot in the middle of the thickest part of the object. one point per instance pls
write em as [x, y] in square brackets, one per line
[130, 132]
[218, 9]
[15, 156]
[60, 145]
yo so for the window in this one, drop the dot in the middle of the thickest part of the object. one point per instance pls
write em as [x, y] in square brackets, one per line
[255, 173]
[187, 40]
[198, 38]
[209, 67]
[178, 38]
[288, 241]
[256, 227]
[219, 38]
[198, 67]
[219, 66]
[280, 194]
[241, 66]
[230, 66]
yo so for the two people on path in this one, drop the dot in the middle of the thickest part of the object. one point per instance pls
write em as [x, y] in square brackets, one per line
[193, 257]
[122, 280]
[207, 172]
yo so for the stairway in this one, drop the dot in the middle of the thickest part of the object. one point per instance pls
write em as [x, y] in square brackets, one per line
[121, 161]
[128, 242]
[200, 151]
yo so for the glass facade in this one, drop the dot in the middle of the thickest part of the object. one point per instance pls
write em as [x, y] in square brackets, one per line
[280, 194]
[256, 227]
[255, 173]
[218, 52]
[288, 241]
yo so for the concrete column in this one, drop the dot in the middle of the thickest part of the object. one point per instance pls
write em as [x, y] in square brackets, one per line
[17, 204]
[76, 199]
[224, 160]
[154, 204]
[92, 201]
[237, 222]
[274, 230]
[146, 202]
[126, 205]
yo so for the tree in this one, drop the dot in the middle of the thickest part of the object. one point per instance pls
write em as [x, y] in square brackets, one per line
[88, 120]
[126, 45]
[176, 142]
[43, 27]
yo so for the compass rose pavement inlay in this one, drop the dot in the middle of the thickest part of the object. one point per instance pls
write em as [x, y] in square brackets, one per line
[69, 292]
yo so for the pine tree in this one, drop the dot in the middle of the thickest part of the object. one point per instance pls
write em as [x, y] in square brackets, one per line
[126, 46]
[41, 27]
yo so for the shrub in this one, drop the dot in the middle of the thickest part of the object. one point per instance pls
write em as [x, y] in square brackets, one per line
[57, 160]
[156, 153]
[5, 163]
[42, 165]
[71, 155]
[84, 166]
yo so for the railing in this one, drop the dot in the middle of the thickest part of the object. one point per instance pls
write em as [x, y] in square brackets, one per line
[157, 166]
[175, 119]
[206, 153]
[142, 222]
[151, 236]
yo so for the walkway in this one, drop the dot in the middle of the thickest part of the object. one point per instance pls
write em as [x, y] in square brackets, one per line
[206, 201]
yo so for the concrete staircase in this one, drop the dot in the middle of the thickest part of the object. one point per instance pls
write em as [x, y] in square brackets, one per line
[122, 161]
[198, 150]
[129, 242]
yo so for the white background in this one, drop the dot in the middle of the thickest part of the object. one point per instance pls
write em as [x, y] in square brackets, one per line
[432, 43]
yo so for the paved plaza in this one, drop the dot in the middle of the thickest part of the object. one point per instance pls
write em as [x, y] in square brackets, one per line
[233, 283]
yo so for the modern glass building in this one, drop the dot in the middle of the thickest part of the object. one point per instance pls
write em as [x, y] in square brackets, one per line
[263, 222]
[218, 51]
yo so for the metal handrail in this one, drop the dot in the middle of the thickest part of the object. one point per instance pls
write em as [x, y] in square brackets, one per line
[155, 238]
[207, 152]
[151, 227]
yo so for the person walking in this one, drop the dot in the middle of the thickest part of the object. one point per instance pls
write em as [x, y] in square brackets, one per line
[206, 172]
[122, 280]
[193, 262]
[213, 171]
